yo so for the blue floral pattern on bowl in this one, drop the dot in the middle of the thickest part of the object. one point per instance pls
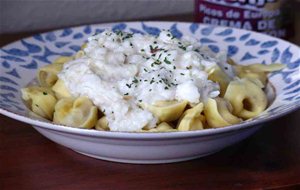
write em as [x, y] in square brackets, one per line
[19, 61]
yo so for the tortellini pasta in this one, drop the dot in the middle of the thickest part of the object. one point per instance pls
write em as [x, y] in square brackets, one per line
[83, 45]
[257, 71]
[47, 75]
[162, 127]
[167, 110]
[247, 98]
[264, 68]
[256, 76]
[218, 113]
[102, 124]
[192, 119]
[76, 112]
[79, 54]
[240, 98]
[217, 75]
[61, 90]
[41, 100]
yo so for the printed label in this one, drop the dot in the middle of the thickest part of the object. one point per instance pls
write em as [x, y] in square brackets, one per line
[258, 15]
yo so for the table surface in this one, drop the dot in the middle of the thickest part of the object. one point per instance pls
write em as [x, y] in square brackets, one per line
[267, 160]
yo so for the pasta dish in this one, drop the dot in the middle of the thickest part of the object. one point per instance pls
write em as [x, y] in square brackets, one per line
[121, 81]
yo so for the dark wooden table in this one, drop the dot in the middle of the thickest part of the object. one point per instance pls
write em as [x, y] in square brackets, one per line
[270, 159]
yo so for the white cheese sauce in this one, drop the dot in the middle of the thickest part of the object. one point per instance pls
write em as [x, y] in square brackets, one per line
[120, 71]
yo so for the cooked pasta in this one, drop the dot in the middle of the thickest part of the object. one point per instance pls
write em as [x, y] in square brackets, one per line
[115, 83]
[60, 90]
[192, 119]
[79, 112]
[163, 127]
[247, 98]
[217, 75]
[47, 76]
[244, 73]
[218, 113]
[41, 100]
[102, 124]
[167, 110]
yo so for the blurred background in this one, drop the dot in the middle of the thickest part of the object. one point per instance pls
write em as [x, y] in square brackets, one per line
[31, 16]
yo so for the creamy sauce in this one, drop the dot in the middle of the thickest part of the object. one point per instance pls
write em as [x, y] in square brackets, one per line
[121, 71]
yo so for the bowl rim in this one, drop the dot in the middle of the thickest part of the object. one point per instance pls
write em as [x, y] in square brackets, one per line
[146, 135]
[149, 22]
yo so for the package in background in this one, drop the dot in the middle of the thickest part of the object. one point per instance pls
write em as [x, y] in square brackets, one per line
[273, 17]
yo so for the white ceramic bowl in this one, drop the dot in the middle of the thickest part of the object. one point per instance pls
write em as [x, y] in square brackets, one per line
[20, 60]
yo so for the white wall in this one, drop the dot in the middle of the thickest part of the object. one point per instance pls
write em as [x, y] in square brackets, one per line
[30, 15]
